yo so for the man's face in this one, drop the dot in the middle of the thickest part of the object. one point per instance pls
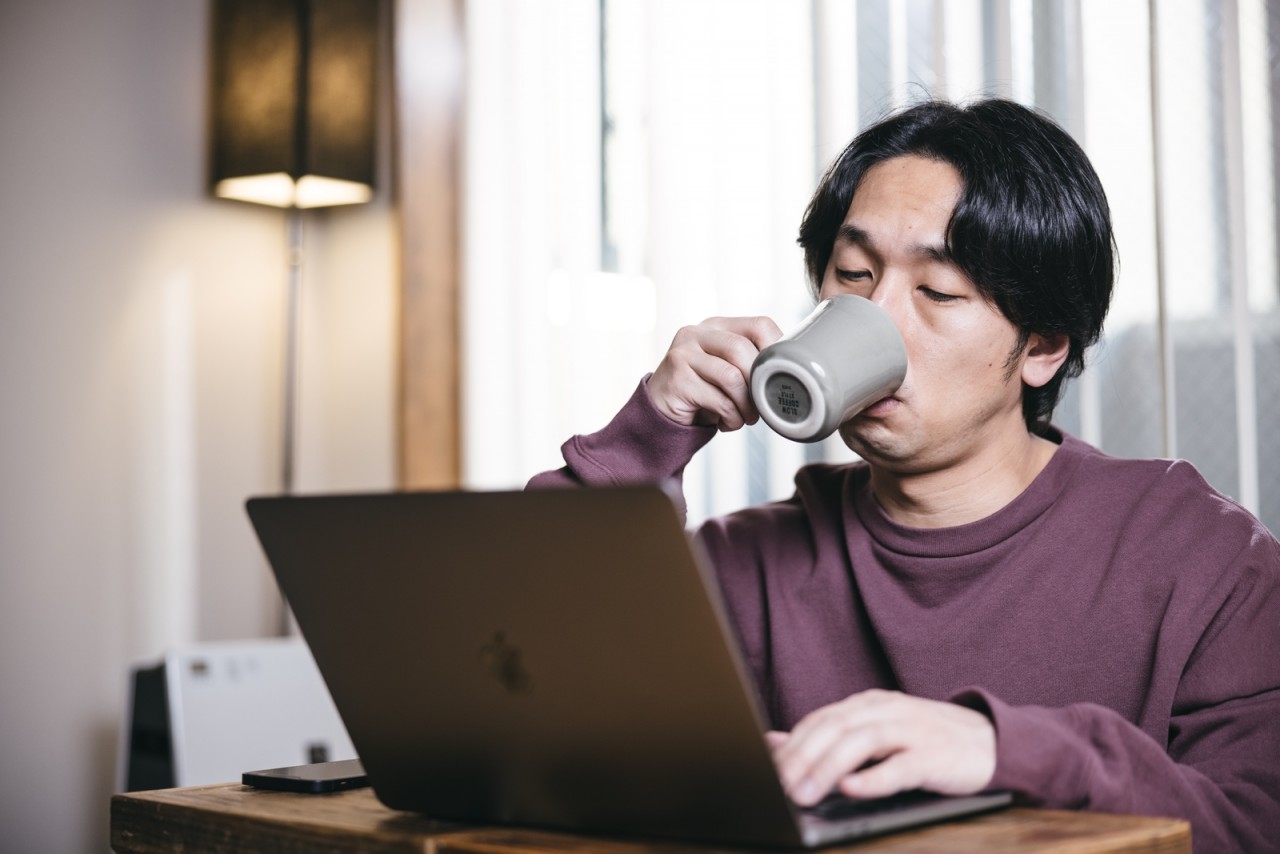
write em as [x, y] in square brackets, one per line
[962, 394]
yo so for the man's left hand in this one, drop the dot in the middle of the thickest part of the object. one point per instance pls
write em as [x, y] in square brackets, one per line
[913, 743]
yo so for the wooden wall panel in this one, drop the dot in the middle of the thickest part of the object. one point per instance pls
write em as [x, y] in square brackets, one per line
[428, 48]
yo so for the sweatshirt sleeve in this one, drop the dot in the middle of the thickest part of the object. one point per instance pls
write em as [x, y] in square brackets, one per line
[1220, 768]
[640, 445]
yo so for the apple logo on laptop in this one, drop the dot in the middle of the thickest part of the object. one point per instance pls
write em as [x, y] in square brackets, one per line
[502, 660]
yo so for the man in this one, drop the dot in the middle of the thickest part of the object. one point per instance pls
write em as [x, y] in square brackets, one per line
[984, 602]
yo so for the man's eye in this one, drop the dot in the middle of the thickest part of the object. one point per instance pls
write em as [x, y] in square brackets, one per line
[853, 275]
[936, 296]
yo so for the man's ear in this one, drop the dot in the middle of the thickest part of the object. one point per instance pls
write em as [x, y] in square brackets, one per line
[1044, 355]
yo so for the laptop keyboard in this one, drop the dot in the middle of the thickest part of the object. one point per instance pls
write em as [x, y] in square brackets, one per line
[838, 807]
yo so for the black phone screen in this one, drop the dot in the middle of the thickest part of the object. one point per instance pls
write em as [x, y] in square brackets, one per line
[312, 779]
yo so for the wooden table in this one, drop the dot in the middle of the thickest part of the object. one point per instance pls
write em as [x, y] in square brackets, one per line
[231, 817]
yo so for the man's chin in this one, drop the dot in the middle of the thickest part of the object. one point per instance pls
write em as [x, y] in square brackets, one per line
[875, 443]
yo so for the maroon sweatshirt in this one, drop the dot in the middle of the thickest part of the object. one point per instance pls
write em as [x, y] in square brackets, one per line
[1119, 622]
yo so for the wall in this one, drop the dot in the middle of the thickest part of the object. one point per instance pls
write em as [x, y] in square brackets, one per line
[140, 363]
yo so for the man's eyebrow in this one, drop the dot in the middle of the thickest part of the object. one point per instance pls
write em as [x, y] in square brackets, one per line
[938, 253]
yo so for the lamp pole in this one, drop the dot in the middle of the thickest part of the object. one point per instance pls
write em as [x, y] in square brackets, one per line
[292, 361]
[292, 354]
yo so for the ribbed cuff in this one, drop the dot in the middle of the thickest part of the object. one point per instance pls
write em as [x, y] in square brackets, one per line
[1035, 757]
[640, 445]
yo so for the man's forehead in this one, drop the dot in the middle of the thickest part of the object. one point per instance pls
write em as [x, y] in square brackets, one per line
[905, 193]
[928, 247]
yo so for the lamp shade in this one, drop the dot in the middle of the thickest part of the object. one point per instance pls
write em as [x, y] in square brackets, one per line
[293, 102]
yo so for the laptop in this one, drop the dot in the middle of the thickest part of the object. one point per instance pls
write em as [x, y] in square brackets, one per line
[554, 658]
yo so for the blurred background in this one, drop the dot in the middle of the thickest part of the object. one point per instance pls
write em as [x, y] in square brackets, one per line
[623, 168]
[711, 127]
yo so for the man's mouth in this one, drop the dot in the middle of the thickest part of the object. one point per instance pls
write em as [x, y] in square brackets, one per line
[883, 406]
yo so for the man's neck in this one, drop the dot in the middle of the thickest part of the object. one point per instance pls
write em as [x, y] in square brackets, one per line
[968, 491]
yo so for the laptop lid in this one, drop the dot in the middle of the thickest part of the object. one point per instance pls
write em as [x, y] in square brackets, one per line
[557, 658]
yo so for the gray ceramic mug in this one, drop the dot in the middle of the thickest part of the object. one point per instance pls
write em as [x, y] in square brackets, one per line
[843, 357]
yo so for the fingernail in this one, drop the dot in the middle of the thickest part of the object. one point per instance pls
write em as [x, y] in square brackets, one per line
[806, 793]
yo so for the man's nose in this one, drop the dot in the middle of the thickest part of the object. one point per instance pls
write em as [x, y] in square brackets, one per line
[892, 293]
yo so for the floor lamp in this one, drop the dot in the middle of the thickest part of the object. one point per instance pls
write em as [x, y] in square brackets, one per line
[292, 120]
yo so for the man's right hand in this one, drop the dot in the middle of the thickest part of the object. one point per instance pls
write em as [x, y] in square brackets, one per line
[705, 376]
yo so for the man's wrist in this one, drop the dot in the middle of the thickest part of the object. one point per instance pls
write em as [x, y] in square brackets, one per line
[640, 444]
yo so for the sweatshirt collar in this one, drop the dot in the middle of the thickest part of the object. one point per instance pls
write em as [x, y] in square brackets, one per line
[977, 536]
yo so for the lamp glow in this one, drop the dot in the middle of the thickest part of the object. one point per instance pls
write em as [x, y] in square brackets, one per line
[281, 191]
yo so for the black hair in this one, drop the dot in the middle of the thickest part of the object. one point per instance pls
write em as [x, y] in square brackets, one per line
[1031, 229]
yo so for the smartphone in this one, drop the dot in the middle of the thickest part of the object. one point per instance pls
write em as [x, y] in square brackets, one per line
[311, 779]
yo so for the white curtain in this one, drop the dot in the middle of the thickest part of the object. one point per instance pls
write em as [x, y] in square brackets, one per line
[636, 166]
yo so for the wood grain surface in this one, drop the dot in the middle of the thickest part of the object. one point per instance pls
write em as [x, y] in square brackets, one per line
[231, 817]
